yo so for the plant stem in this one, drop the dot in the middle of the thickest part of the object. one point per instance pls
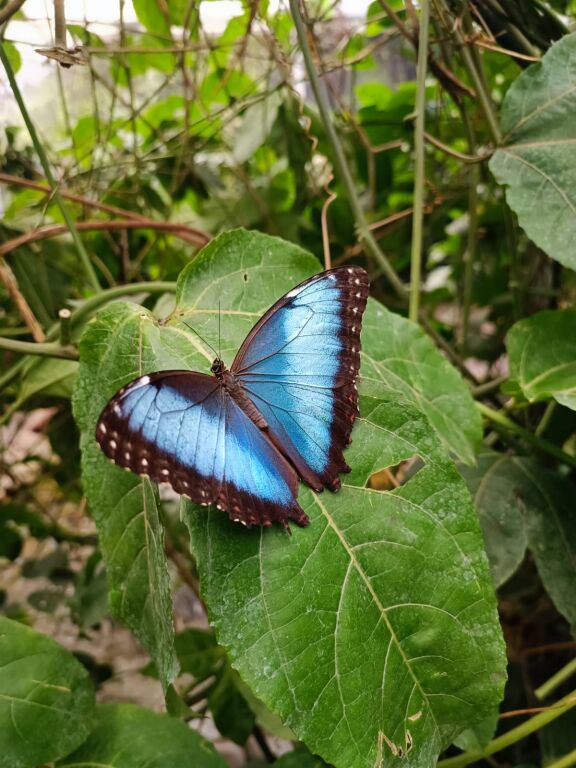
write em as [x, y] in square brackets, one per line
[545, 420]
[90, 305]
[420, 158]
[564, 762]
[39, 348]
[513, 735]
[550, 685]
[84, 258]
[470, 254]
[538, 442]
[340, 161]
[95, 302]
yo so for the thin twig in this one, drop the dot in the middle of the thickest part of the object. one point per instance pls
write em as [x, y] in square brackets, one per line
[190, 234]
[9, 281]
[54, 230]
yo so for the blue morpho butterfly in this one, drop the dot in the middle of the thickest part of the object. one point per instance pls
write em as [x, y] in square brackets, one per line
[242, 437]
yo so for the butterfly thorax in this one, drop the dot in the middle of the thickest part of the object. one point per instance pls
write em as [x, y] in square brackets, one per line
[236, 391]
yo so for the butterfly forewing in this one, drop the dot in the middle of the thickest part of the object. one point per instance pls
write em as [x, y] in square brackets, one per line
[299, 366]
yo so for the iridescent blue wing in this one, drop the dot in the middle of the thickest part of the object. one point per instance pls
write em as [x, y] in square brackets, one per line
[183, 428]
[299, 365]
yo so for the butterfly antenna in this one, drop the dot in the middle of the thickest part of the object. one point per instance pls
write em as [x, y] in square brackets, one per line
[217, 354]
[219, 336]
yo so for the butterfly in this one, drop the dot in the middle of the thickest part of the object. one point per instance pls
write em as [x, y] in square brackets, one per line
[241, 437]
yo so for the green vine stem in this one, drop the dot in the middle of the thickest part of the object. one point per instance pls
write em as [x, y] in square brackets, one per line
[564, 762]
[82, 313]
[83, 255]
[39, 348]
[498, 418]
[420, 158]
[340, 161]
[513, 735]
[550, 685]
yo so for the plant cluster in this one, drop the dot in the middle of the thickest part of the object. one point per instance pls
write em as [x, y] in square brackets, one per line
[426, 614]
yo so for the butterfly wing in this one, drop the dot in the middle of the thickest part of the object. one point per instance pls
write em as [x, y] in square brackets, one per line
[183, 428]
[299, 365]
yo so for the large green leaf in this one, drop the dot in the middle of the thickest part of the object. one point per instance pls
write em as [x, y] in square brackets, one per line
[127, 736]
[114, 349]
[536, 160]
[411, 643]
[522, 504]
[542, 355]
[46, 698]
[372, 632]
[495, 484]
[400, 357]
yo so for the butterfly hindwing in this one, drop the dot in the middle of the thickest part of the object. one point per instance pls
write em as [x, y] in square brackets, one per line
[183, 428]
[299, 365]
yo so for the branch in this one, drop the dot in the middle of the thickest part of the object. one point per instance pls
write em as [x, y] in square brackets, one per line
[9, 10]
[54, 230]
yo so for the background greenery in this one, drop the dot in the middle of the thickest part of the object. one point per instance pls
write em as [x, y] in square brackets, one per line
[178, 169]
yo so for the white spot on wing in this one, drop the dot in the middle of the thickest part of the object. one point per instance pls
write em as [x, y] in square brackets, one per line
[145, 380]
[102, 428]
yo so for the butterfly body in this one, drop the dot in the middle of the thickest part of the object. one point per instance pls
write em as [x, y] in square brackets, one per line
[242, 437]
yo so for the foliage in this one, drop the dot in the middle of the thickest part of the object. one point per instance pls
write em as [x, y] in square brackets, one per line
[198, 180]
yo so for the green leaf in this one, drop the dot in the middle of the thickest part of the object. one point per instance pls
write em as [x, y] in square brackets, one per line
[495, 483]
[232, 715]
[411, 562]
[551, 530]
[127, 736]
[46, 698]
[518, 498]
[536, 161]
[114, 349]
[399, 357]
[151, 15]
[47, 376]
[377, 622]
[542, 356]
[13, 55]
[255, 127]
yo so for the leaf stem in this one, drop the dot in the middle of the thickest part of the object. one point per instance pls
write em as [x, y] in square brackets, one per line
[420, 158]
[84, 258]
[499, 419]
[340, 161]
[513, 735]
